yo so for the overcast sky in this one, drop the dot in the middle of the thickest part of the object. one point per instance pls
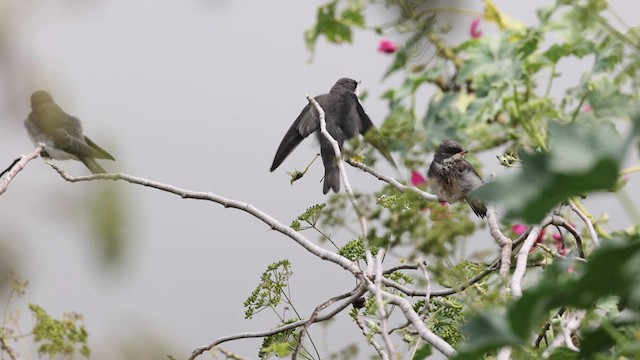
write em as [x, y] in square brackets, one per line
[196, 94]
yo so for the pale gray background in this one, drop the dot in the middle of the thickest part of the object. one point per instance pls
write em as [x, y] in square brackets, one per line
[196, 94]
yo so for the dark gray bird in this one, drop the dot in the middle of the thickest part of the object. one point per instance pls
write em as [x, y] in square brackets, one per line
[345, 118]
[452, 178]
[61, 133]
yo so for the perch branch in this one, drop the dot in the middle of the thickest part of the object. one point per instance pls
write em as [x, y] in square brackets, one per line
[391, 181]
[17, 166]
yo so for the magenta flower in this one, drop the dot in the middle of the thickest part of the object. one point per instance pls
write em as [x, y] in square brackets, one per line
[475, 31]
[519, 229]
[388, 46]
[417, 179]
[557, 237]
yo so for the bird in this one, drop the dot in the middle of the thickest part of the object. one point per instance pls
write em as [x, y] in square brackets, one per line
[345, 118]
[61, 133]
[452, 178]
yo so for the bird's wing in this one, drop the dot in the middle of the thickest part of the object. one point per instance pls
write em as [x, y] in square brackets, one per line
[100, 153]
[306, 123]
[365, 127]
[70, 138]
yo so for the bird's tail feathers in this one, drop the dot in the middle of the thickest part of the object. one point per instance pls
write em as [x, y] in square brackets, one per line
[331, 173]
[92, 165]
[98, 152]
[479, 208]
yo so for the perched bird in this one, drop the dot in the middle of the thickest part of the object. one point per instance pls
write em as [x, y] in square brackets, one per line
[452, 178]
[61, 133]
[345, 118]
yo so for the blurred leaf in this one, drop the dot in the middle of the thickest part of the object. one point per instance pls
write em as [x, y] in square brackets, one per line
[402, 56]
[580, 160]
[422, 353]
[563, 353]
[109, 220]
[487, 331]
[335, 26]
[613, 270]
[504, 21]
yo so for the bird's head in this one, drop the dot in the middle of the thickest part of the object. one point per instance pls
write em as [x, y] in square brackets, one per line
[40, 97]
[347, 84]
[449, 149]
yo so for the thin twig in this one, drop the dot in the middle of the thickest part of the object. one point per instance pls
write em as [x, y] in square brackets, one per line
[382, 312]
[427, 296]
[391, 181]
[372, 341]
[547, 325]
[444, 292]
[17, 166]
[407, 309]
[568, 327]
[286, 327]
[559, 221]
[587, 221]
[352, 295]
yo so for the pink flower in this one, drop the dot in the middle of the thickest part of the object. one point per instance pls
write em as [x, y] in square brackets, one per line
[417, 179]
[587, 108]
[519, 229]
[557, 237]
[475, 32]
[388, 46]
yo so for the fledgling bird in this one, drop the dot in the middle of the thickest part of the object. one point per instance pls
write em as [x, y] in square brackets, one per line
[345, 118]
[61, 133]
[452, 178]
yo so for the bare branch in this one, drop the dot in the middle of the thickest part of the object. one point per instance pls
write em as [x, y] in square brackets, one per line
[505, 244]
[352, 295]
[444, 292]
[372, 341]
[227, 203]
[299, 323]
[427, 335]
[391, 181]
[521, 263]
[427, 296]
[17, 166]
[587, 221]
[382, 312]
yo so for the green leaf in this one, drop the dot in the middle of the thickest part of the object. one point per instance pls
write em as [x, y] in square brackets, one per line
[563, 353]
[488, 331]
[613, 270]
[580, 160]
[268, 294]
[402, 56]
[422, 353]
[334, 26]
[440, 121]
